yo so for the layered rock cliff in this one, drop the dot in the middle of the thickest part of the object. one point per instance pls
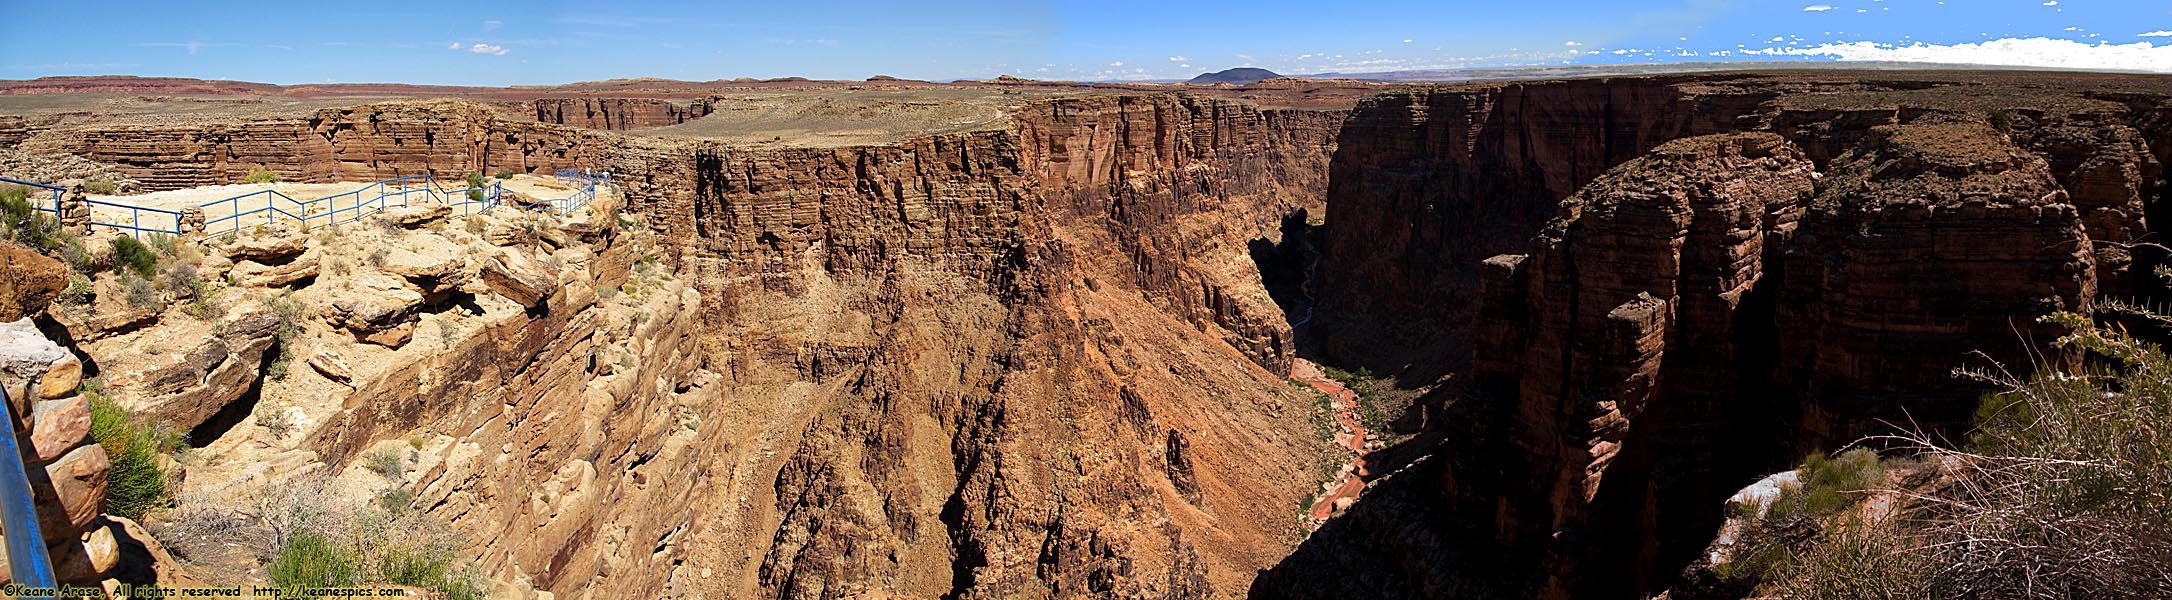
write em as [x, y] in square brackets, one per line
[361, 143]
[618, 113]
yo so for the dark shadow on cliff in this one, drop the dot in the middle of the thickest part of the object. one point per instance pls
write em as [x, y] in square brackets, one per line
[1395, 542]
[1285, 267]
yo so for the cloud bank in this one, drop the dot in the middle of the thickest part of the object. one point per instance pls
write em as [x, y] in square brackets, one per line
[2009, 52]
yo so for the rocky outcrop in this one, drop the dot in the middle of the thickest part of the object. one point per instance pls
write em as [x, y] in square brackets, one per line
[618, 113]
[1619, 342]
[28, 281]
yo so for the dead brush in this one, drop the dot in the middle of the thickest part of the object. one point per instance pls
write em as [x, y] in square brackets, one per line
[2062, 491]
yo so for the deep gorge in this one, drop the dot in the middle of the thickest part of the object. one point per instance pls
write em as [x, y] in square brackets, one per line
[1050, 359]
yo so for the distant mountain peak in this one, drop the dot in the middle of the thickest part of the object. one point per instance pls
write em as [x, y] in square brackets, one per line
[1237, 76]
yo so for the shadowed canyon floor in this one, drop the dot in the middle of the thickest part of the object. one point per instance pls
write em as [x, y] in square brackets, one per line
[1020, 339]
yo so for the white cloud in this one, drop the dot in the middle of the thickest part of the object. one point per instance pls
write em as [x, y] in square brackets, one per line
[488, 49]
[1178, 59]
[1817, 8]
[2160, 33]
[1406, 40]
[1574, 44]
[2008, 52]
[455, 46]
[1117, 64]
[2051, 2]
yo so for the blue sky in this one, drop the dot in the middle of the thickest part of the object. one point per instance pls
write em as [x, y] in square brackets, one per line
[544, 41]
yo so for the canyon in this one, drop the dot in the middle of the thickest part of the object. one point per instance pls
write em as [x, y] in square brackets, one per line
[1048, 353]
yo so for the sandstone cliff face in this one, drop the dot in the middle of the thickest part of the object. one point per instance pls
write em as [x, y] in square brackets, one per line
[1927, 243]
[1168, 191]
[1637, 359]
[617, 113]
[446, 138]
[1614, 344]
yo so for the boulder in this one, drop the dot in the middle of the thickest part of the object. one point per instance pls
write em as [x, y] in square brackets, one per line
[417, 216]
[250, 273]
[515, 276]
[61, 378]
[508, 234]
[374, 302]
[26, 358]
[28, 281]
[78, 484]
[58, 426]
[267, 247]
[88, 558]
[332, 366]
[434, 264]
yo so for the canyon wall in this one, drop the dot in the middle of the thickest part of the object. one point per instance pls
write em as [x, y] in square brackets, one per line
[447, 138]
[947, 385]
[1642, 326]
[618, 113]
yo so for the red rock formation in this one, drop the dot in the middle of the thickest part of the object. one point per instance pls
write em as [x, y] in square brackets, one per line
[446, 138]
[1166, 189]
[1615, 341]
[1927, 244]
[617, 113]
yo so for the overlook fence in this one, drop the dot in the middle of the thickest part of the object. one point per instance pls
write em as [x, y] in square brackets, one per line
[271, 207]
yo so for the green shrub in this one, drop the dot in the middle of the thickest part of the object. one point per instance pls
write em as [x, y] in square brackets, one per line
[289, 314]
[261, 175]
[388, 463]
[79, 292]
[140, 292]
[71, 251]
[311, 560]
[102, 185]
[1829, 485]
[506, 174]
[134, 482]
[132, 254]
[22, 223]
[166, 244]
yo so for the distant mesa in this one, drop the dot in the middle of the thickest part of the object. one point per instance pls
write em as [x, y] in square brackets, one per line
[1237, 76]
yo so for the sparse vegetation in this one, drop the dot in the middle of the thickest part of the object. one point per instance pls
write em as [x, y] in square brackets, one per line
[505, 174]
[102, 185]
[2059, 493]
[79, 292]
[387, 462]
[474, 224]
[275, 422]
[133, 255]
[261, 175]
[21, 222]
[289, 314]
[377, 257]
[135, 483]
[140, 293]
[311, 560]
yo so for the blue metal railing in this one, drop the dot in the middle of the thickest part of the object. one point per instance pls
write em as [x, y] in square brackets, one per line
[135, 226]
[28, 563]
[52, 205]
[360, 202]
